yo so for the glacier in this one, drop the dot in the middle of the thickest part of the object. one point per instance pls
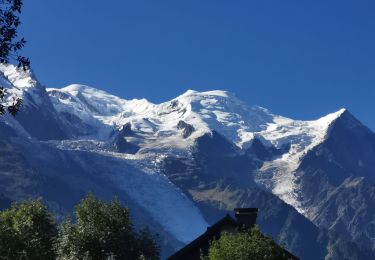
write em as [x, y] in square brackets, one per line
[185, 162]
[157, 132]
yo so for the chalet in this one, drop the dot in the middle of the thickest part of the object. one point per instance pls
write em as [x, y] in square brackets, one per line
[244, 218]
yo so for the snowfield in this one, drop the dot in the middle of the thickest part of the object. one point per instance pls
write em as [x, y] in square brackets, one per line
[171, 129]
[156, 127]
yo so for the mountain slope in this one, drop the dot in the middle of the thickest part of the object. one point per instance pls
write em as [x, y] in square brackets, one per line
[182, 164]
[337, 181]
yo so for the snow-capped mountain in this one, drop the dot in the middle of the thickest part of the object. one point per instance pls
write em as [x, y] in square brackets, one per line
[182, 164]
[160, 127]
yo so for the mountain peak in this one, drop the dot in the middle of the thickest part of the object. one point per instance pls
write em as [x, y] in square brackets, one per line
[79, 88]
[343, 118]
[18, 77]
[220, 93]
[22, 83]
[330, 118]
[86, 98]
[192, 96]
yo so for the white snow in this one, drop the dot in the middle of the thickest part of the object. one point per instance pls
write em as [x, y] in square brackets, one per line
[157, 136]
[279, 175]
[205, 111]
[18, 77]
[156, 127]
[20, 82]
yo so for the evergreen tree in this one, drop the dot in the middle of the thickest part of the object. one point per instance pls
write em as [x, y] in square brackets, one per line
[27, 231]
[245, 245]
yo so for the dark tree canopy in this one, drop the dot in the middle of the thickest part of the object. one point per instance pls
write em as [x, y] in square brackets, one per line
[13, 107]
[27, 231]
[10, 44]
[103, 230]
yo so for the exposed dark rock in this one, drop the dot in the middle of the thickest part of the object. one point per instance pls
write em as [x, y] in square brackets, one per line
[126, 130]
[265, 153]
[218, 179]
[123, 146]
[120, 142]
[174, 104]
[186, 128]
[337, 181]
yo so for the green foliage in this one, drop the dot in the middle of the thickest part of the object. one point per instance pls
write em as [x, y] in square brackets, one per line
[245, 245]
[10, 45]
[27, 231]
[103, 231]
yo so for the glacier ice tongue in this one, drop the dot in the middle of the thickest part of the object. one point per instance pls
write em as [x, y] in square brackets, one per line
[156, 128]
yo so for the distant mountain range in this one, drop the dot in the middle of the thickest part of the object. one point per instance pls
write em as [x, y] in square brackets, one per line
[182, 164]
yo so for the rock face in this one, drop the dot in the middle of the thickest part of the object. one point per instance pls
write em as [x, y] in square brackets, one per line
[181, 165]
[187, 129]
[337, 180]
[120, 144]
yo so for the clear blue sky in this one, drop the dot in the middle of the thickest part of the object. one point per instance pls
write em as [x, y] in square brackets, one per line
[301, 59]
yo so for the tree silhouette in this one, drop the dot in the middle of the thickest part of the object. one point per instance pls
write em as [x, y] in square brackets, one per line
[10, 45]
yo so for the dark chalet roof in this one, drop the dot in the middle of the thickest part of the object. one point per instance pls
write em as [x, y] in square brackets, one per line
[200, 245]
[202, 241]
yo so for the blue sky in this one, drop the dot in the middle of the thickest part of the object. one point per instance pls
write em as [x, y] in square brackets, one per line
[301, 59]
